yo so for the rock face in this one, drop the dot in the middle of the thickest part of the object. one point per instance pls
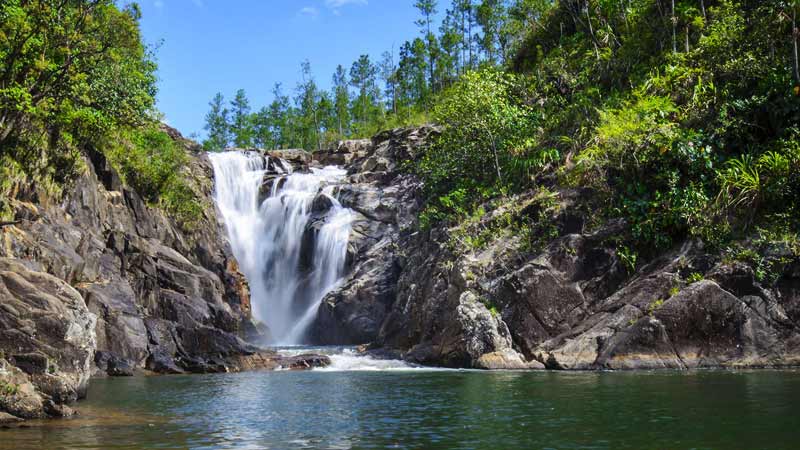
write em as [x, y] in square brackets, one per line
[568, 304]
[384, 201]
[48, 338]
[98, 282]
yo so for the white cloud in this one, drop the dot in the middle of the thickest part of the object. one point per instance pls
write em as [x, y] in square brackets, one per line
[339, 3]
[335, 5]
[309, 11]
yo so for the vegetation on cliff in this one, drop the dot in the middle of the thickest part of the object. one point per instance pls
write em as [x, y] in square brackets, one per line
[75, 75]
[682, 118]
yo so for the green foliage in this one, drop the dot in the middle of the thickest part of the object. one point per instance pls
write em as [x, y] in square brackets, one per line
[685, 127]
[530, 220]
[628, 258]
[152, 163]
[694, 277]
[654, 306]
[70, 73]
[486, 129]
[8, 389]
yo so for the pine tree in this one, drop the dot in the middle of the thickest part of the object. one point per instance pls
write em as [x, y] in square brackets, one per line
[362, 77]
[278, 113]
[465, 10]
[263, 136]
[306, 101]
[240, 127]
[388, 72]
[490, 15]
[428, 9]
[341, 100]
[217, 125]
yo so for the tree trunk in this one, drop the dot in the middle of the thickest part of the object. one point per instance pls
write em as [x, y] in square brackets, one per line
[687, 38]
[494, 152]
[703, 8]
[674, 29]
[591, 31]
[430, 52]
[795, 32]
[469, 37]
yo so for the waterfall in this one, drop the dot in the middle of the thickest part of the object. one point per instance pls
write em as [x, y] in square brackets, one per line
[270, 238]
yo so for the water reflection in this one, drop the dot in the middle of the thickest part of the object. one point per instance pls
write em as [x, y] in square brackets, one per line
[431, 410]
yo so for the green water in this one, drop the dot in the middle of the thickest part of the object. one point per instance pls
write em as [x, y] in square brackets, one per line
[432, 410]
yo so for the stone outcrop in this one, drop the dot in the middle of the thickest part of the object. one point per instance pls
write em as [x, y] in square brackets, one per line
[570, 304]
[98, 282]
[384, 201]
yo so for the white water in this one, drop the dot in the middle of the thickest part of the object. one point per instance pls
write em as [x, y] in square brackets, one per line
[347, 359]
[266, 238]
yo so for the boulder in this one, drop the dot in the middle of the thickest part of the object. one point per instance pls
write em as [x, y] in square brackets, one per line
[47, 341]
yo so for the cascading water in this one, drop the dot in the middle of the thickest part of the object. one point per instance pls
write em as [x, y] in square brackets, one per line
[267, 238]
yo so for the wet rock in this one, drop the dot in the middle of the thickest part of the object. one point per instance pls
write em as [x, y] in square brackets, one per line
[506, 360]
[112, 365]
[6, 418]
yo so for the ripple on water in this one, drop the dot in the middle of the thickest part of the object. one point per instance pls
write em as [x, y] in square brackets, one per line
[416, 408]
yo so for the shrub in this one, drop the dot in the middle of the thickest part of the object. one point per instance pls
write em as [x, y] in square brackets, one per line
[153, 164]
[486, 134]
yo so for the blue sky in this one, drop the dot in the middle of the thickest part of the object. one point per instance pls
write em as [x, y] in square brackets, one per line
[214, 46]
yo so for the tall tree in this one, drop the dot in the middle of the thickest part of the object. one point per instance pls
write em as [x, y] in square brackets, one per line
[795, 4]
[388, 71]
[362, 77]
[491, 15]
[412, 72]
[263, 135]
[279, 117]
[217, 125]
[427, 9]
[241, 128]
[448, 67]
[341, 99]
[307, 101]
[465, 10]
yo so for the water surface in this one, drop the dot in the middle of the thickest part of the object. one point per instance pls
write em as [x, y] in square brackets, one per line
[432, 410]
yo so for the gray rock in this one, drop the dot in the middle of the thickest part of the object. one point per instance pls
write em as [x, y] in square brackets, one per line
[47, 340]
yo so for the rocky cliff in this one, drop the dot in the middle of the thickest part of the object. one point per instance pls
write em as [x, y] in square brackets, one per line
[98, 282]
[565, 298]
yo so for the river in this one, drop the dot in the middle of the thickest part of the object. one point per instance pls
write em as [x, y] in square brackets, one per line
[364, 404]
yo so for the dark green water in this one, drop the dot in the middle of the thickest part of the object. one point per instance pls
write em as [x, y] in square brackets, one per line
[432, 410]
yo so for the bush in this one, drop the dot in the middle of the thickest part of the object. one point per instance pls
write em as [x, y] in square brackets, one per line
[485, 136]
[152, 163]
